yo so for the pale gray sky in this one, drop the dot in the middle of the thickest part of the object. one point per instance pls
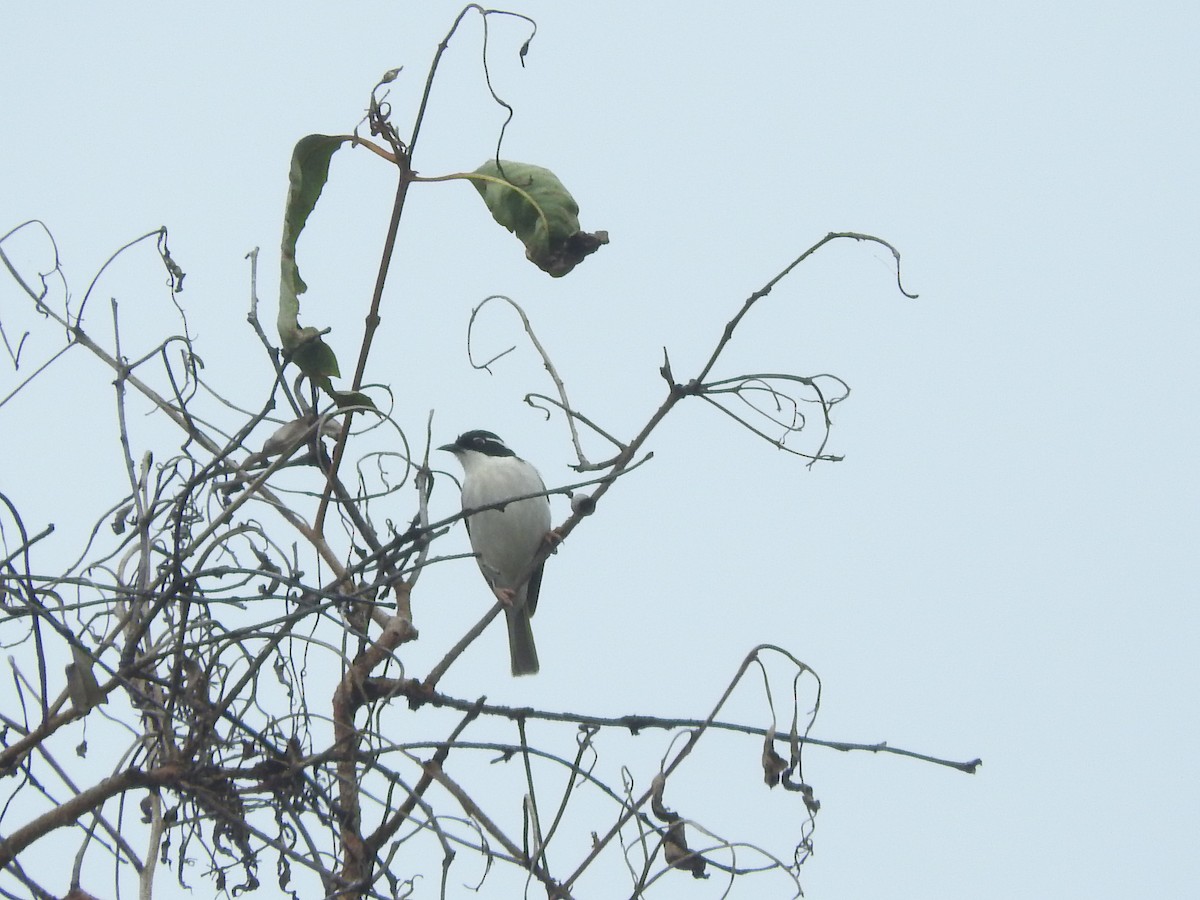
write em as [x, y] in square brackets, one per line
[1005, 563]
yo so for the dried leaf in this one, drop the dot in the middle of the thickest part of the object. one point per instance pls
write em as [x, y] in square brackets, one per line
[773, 764]
[679, 856]
[82, 686]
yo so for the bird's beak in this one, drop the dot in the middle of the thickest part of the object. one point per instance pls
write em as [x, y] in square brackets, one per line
[449, 448]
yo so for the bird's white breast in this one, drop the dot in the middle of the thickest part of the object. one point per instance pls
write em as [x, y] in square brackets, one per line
[505, 540]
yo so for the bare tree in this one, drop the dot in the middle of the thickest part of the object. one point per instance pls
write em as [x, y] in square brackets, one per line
[234, 628]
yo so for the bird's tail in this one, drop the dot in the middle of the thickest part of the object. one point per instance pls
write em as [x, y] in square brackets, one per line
[520, 642]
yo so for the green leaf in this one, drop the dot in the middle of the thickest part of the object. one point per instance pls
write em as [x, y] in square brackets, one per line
[306, 180]
[315, 358]
[533, 204]
[352, 398]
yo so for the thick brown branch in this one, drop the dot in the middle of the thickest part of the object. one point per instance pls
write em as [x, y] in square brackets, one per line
[347, 698]
[82, 803]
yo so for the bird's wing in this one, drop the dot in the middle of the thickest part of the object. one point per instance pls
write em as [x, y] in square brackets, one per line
[533, 588]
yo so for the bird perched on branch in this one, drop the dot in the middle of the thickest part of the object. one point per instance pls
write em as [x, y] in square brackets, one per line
[507, 539]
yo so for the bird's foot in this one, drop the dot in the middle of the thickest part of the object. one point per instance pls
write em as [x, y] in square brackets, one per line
[506, 596]
[552, 539]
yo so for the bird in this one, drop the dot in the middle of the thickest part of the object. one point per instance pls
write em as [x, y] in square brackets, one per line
[505, 540]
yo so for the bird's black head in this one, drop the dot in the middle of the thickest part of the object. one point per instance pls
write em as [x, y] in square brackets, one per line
[480, 441]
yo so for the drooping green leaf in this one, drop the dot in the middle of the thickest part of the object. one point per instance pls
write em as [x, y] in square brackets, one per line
[315, 358]
[532, 203]
[306, 179]
[351, 398]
